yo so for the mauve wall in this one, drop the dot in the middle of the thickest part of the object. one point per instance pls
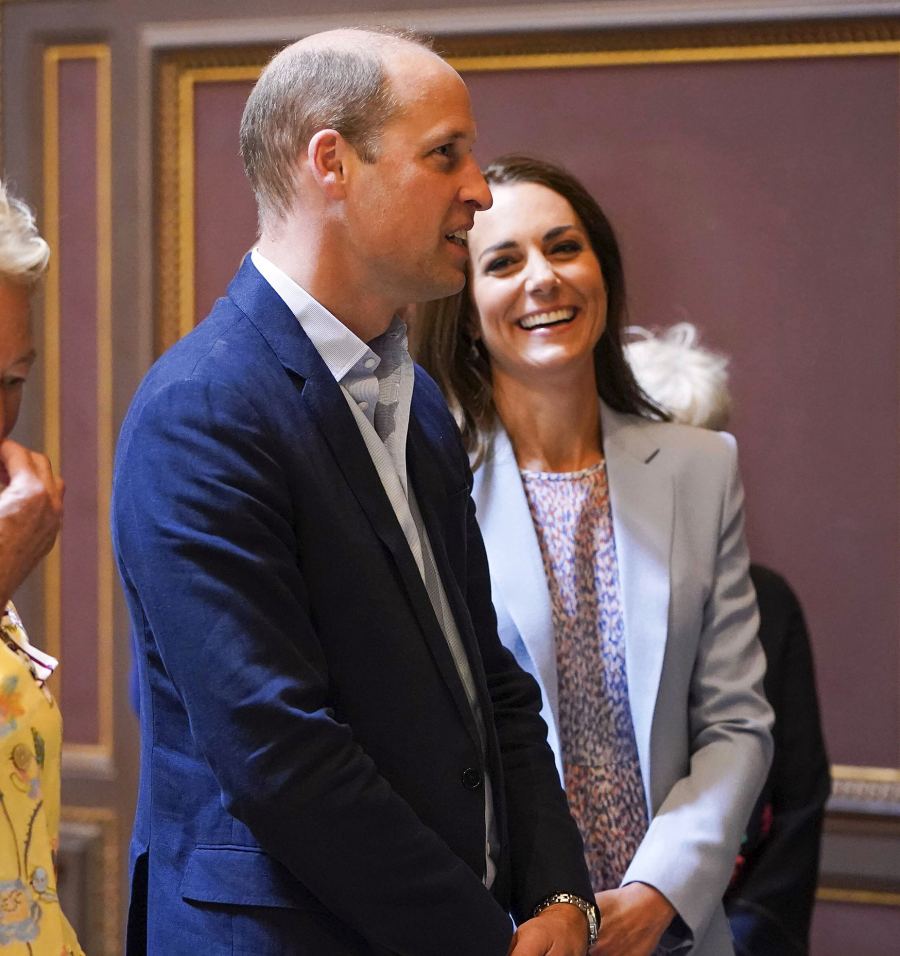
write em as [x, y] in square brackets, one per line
[757, 200]
[224, 210]
[79, 423]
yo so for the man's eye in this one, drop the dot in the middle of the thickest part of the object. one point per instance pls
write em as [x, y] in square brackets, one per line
[447, 151]
[12, 381]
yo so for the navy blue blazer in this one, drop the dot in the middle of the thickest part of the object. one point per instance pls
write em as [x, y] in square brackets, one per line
[311, 774]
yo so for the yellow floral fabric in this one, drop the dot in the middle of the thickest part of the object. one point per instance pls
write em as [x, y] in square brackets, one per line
[31, 921]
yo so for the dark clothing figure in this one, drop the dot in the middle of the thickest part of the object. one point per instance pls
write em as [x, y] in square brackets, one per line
[770, 900]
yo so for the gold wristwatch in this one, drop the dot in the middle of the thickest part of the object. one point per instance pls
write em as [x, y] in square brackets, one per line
[589, 908]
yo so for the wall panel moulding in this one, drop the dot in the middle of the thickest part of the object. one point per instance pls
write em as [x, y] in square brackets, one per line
[78, 424]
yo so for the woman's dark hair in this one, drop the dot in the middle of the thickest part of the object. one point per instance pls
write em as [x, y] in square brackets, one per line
[443, 339]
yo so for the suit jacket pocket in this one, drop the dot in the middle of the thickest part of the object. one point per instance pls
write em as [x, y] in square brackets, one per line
[242, 876]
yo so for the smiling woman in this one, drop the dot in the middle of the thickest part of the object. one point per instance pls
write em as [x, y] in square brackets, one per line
[449, 340]
[619, 569]
[540, 295]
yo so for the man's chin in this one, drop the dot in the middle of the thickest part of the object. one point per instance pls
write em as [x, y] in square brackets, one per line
[442, 287]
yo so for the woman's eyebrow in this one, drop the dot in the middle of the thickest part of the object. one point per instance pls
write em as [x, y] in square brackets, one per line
[557, 231]
[507, 244]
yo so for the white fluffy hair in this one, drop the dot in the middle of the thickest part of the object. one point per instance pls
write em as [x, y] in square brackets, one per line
[23, 253]
[681, 376]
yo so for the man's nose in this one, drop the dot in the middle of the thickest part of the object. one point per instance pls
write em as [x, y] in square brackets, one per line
[476, 191]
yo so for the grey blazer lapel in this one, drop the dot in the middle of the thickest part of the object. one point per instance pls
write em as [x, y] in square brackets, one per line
[642, 498]
[517, 568]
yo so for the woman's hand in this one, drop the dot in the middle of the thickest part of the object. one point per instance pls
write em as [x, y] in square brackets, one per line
[31, 507]
[633, 918]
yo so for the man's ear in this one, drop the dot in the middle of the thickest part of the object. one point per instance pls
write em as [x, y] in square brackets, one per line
[326, 160]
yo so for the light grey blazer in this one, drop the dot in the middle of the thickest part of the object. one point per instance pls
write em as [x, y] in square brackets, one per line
[693, 661]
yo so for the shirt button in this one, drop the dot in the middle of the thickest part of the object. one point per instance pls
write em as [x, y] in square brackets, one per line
[471, 778]
[364, 406]
[369, 363]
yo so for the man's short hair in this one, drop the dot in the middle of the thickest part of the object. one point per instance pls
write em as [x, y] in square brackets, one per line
[304, 90]
[23, 253]
[686, 379]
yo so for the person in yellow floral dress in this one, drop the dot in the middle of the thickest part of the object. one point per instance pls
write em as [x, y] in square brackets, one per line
[31, 921]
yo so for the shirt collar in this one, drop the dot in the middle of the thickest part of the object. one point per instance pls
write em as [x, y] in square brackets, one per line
[340, 348]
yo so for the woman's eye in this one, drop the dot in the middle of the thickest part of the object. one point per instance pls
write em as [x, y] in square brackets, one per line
[567, 247]
[499, 264]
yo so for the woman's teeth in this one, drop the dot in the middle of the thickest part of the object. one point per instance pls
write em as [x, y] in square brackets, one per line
[543, 319]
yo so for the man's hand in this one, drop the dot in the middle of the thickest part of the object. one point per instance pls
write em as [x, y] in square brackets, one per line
[633, 918]
[559, 930]
[31, 508]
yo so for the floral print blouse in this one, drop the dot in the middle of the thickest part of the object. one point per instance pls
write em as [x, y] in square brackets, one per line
[573, 520]
[31, 921]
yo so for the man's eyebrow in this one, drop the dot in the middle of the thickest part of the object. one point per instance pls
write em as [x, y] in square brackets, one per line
[452, 135]
[27, 357]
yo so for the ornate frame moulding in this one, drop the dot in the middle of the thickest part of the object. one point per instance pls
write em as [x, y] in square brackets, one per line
[861, 847]
[176, 76]
[867, 790]
[94, 759]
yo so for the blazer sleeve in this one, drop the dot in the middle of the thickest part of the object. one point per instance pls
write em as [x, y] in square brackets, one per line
[690, 846]
[770, 903]
[203, 527]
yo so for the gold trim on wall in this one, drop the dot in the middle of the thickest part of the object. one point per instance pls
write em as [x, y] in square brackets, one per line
[828, 894]
[187, 81]
[101, 752]
[865, 774]
[51, 328]
[110, 901]
[715, 54]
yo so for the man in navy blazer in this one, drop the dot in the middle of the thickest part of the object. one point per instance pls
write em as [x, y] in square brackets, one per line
[338, 756]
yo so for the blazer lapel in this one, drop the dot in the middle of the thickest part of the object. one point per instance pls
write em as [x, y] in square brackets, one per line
[517, 567]
[325, 402]
[428, 485]
[322, 397]
[642, 502]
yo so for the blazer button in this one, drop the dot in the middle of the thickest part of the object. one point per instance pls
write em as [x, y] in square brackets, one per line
[471, 778]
